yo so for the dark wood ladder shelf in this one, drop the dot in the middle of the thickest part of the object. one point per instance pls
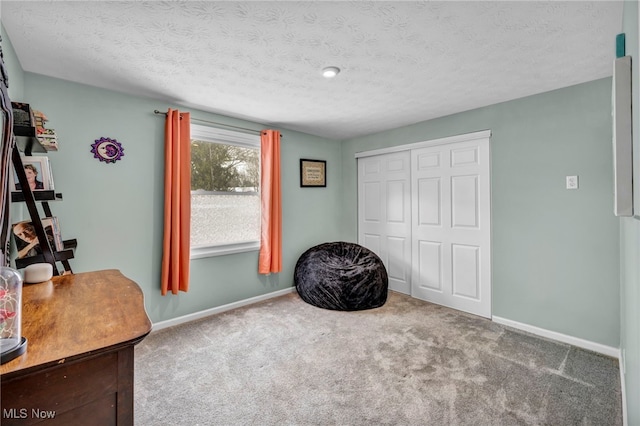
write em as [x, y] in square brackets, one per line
[43, 195]
[27, 142]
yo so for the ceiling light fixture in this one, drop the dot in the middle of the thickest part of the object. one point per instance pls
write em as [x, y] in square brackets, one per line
[330, 72]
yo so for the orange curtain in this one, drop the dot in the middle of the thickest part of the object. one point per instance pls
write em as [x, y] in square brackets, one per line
[177, 203]
[270, 259]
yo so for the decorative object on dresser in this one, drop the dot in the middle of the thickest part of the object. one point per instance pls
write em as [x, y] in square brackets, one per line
[12, 344]
[38, 273]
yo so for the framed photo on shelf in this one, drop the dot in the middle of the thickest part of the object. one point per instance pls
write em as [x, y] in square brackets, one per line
[313, 173]
[27, 243]
[38, 174]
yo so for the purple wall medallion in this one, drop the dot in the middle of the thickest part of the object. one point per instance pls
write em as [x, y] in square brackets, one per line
[107, 150]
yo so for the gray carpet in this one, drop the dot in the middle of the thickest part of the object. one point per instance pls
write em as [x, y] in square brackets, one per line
[284, 362]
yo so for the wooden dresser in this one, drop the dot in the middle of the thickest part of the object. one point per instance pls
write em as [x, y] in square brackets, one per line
[78, 368]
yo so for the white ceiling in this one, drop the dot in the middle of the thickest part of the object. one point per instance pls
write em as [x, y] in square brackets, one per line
[402, 62]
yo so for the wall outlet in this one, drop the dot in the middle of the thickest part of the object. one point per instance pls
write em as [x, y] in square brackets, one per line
[572, 182]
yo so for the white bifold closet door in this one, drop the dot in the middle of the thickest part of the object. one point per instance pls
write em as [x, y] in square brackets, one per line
[426, 212]
[384, 213]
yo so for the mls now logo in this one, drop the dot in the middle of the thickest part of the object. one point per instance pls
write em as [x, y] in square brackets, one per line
[23, 413]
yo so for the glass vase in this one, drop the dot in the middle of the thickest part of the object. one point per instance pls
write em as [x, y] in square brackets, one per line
[12, 344]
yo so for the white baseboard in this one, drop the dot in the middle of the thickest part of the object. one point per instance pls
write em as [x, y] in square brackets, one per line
[623, 388]
[219, 309]
[575, 341]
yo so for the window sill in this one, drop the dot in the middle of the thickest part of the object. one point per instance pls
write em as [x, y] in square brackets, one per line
[222, 250]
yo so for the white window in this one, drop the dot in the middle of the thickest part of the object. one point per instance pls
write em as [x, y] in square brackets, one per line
[225, 193]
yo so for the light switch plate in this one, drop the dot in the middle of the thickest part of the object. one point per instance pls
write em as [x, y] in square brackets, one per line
[572, 182]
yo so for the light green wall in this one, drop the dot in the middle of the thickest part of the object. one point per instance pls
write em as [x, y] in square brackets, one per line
[115, 210]
[630, 239]
[555, 251]
[16, 74]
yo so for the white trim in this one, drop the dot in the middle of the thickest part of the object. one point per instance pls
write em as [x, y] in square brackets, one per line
[623, 388]
[219, 309]
[483, 134]
[221, 250]
[575, 341]
[231, 137]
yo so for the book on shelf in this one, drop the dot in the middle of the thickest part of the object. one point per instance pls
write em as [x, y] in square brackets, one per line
[57, 234]
[38, 171]
[40, 119]
[47, 138]
[26, 240]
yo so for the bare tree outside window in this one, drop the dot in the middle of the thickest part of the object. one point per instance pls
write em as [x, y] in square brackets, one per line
[220, 167]
[225, 200]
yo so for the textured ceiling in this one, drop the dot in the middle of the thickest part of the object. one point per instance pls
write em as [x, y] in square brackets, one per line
[402, 62]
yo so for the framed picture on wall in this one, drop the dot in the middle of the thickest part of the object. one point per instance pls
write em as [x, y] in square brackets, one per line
[313, 173]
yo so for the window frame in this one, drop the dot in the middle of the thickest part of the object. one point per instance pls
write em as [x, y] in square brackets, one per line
[229, 137]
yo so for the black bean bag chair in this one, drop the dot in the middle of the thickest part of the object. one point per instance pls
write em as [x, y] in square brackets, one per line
[341, 276]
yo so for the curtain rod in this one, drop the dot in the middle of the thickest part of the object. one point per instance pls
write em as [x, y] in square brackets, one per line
[155, 111]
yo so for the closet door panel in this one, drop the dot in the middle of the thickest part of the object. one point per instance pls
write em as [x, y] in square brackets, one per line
[371, 202]
[465, 265]
[429, 265]
[464, 201]
[396, 259]
[384, 214]
[454, 216]
[429, 202]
